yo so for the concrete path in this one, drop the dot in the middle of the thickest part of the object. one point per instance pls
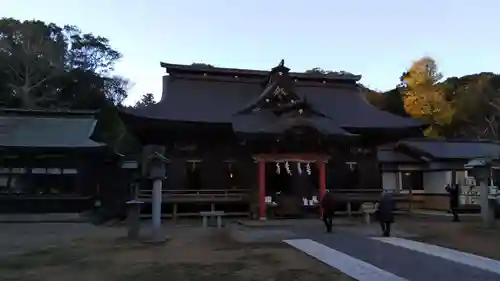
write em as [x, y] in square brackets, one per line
[400, 261]
[348, 265]
[445, 253]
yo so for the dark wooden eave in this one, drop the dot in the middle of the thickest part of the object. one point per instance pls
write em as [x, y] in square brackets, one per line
[451, 150]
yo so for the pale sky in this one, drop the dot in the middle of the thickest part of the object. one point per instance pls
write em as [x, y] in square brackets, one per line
[377, 39]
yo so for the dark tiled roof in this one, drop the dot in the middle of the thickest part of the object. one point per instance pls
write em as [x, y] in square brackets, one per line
[267, 122]
[388, 155]
[202, 99]
[47, 129]
[452, 149]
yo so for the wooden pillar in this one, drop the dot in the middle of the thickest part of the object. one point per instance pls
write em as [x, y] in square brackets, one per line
[322, 183]
[262, 190]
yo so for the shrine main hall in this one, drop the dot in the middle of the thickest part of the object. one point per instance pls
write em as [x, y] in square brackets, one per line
[273, 140]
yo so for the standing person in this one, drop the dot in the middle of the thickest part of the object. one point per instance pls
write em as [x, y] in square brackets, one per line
[327, 203]
[385, 212]
[453, 193]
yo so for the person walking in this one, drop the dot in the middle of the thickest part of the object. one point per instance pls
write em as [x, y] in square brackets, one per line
[385, 212]
[327, 203]
[453, 194]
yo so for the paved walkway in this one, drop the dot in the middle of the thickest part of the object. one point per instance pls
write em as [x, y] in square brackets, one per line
[353, 267]
[400, 261]
[445, 253]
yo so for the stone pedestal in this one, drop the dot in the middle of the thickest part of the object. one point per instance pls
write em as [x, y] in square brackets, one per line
[133, 218]
[487, 207]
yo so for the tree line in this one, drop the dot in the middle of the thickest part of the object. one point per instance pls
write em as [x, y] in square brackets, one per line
[466, 107]
[46, 66]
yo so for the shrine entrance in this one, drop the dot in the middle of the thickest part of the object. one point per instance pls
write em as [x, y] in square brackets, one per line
[290, 189]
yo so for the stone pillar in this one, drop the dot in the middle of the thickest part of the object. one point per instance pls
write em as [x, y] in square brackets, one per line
[262, 190]
[487, 210]
[156, 205]
[155, 165]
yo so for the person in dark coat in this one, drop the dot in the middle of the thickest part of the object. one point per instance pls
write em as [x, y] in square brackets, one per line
[453, 194]
[327, 203]
[385, 212]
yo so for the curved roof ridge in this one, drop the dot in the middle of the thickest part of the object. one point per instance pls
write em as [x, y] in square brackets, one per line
[183, 68]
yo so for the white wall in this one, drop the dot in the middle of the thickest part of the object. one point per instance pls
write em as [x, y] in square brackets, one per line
[435, 182]
[390, 180]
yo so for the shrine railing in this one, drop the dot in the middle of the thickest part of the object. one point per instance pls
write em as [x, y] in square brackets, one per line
[199, 195]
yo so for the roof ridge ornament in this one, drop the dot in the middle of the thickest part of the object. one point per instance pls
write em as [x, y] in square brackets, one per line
[280, 68]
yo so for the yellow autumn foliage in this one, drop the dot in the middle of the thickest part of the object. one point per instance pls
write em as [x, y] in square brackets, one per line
[422, 97]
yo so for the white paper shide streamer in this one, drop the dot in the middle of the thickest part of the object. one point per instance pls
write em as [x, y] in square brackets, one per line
[308, 169]
[299, 168]
[278, 168]
[287, 168]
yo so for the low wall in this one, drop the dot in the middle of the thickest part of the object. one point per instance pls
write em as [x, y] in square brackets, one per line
[437, 202]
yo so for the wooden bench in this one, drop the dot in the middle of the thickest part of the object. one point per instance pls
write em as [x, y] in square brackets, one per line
[208, 214]
[368, 209]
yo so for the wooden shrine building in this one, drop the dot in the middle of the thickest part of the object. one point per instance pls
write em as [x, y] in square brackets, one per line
[274, 139]
[49, 163]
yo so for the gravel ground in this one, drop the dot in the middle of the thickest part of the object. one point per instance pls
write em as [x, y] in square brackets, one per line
[19, 237]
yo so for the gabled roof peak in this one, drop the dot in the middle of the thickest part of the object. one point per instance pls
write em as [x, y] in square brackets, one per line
[278, 95]
[280, 68]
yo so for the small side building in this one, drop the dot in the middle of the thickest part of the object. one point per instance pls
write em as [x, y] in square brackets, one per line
[423, 167]
[49, 163]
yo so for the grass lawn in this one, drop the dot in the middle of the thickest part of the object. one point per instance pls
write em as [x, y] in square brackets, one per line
[191, 255]
[464, 236]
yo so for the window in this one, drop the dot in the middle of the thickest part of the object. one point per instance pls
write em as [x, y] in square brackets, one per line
[37, 181]
[412, 180]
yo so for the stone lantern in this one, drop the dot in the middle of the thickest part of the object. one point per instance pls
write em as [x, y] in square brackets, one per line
[154, 169]
[480, 169]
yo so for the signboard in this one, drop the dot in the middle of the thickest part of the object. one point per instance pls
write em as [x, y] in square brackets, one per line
[472, 194]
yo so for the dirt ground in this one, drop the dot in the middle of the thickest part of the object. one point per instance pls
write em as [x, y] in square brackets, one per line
[192, 254]
[466, 236]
